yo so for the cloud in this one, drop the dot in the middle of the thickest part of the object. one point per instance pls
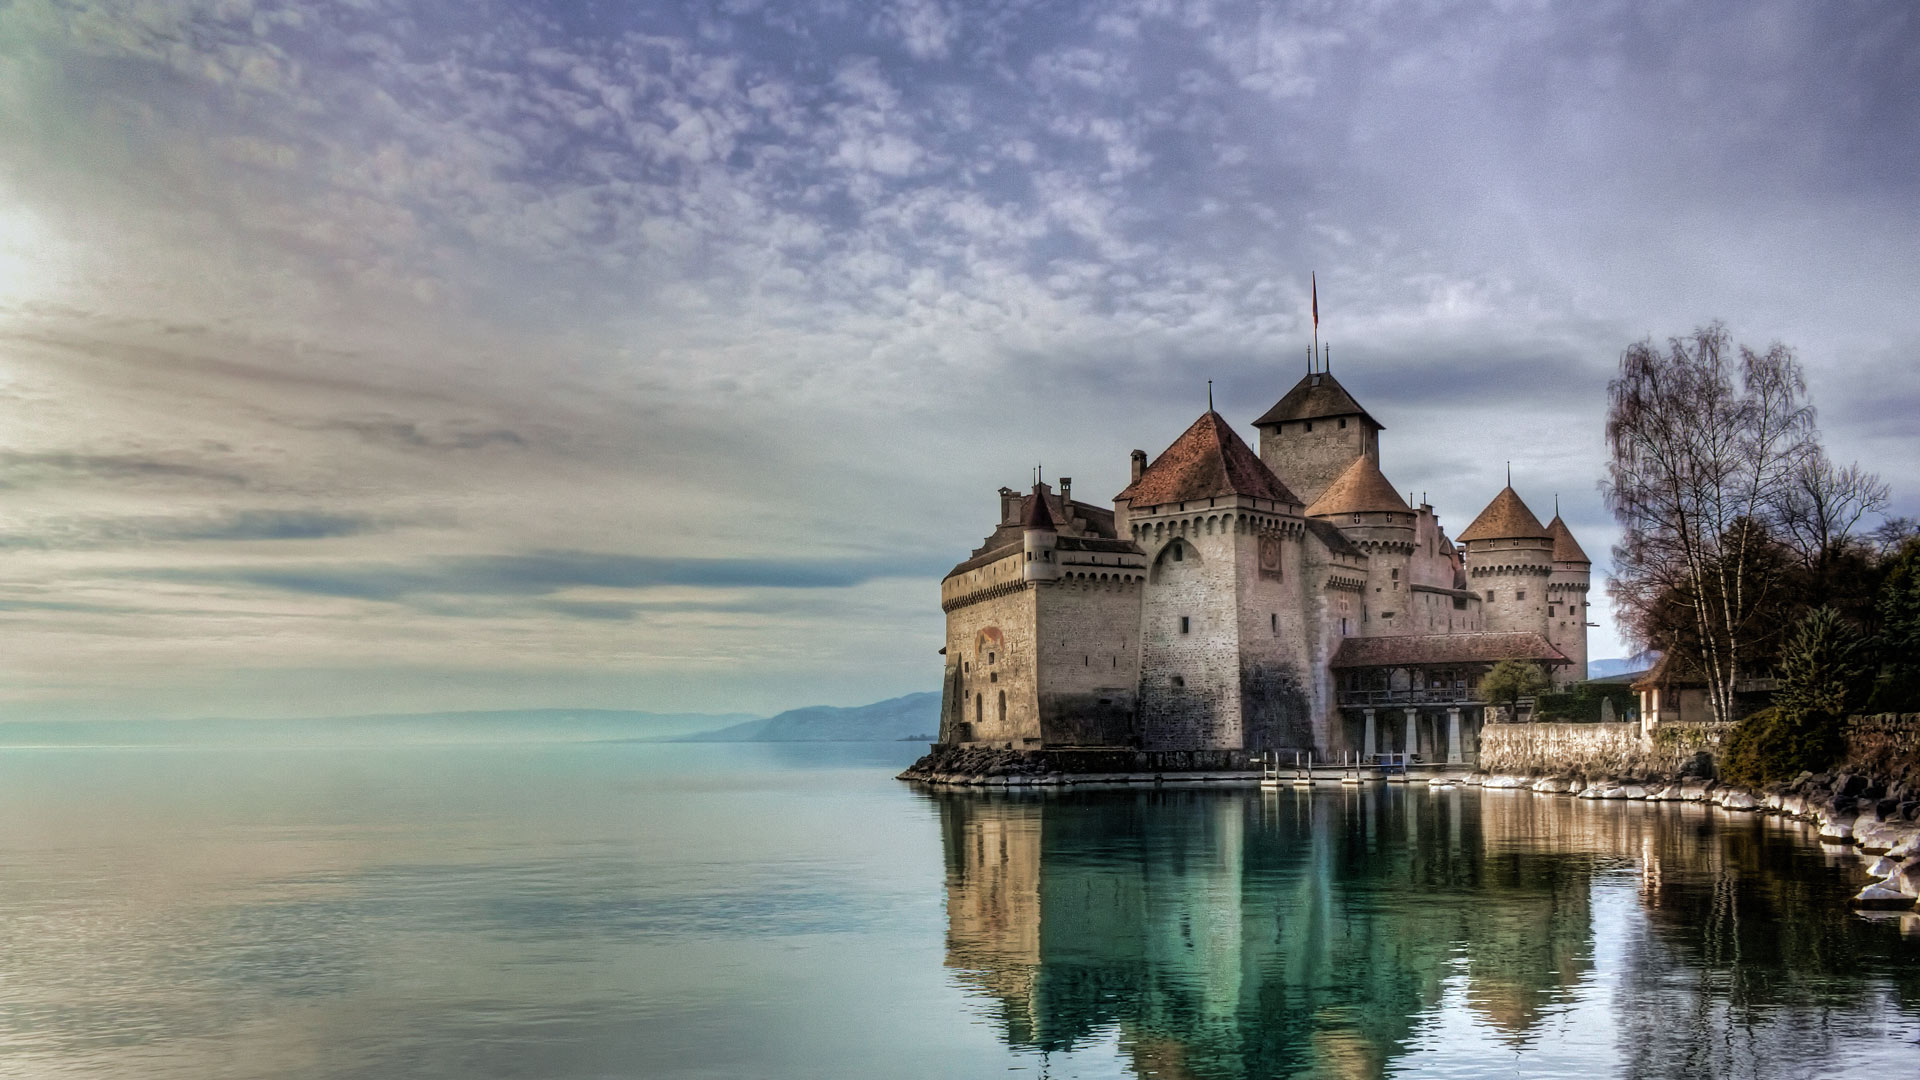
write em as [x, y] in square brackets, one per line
[310, 312]
[546, 573]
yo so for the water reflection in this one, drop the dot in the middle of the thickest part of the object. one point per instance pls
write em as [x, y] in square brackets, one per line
[1333, 933]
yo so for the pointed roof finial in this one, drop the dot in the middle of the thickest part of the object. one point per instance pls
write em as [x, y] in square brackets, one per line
[1556, 504]
[1509, 474]
[1328, 351]
[1209, 395]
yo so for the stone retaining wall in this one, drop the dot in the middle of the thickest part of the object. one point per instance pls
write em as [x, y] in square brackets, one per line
[1594, 749]
[1885, 746]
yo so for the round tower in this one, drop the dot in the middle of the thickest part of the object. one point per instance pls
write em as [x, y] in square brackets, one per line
[1509, 557]
[1567, 601]
[1363, 505]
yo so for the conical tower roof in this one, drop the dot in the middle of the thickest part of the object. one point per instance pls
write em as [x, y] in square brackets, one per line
[1565, 547]
[1207, 460]
[1362, 488]
[1506, 518]
[1038, 516]
[1316, 395]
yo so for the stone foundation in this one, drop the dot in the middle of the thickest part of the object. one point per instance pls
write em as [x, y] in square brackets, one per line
[947, 764]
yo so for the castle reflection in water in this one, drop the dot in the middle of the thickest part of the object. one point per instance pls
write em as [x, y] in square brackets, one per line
[1230, 934]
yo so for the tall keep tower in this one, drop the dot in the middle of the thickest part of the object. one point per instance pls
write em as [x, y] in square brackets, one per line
[1567, 599]
[1509, 558]
[1314, 433]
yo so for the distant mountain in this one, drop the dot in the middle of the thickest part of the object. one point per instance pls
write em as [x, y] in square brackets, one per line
[1607, 669]
[913, 717]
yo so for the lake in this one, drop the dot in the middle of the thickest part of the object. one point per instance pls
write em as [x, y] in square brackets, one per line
[574, 910]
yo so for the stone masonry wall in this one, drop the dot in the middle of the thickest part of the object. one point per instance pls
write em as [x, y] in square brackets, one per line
[1203, 708]
[1886, 746]
[1508, 570]
[1593, 749]
[1089, 662]
[992, 641]
[1275, 650]
[1308, 461]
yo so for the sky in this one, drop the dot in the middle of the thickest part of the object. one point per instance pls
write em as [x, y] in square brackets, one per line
[366, 356]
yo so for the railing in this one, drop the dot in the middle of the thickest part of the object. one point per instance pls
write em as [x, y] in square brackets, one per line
[1445, 695]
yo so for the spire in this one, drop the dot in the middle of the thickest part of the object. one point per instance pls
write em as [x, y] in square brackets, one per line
[1209, 395]
[1038, 515]
[1505, 518]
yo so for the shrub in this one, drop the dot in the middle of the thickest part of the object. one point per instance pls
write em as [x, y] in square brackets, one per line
[1770, 746]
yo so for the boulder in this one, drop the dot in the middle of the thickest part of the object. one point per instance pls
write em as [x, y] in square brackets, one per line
[1906, 847]
[1884, 867]
[1732, 799]
[1695, 792]
[1552, 785]
[1906, 880]
[1850, 784]
[1878, 897]
[1838, 829]
[1504, 783]
[1633, 791]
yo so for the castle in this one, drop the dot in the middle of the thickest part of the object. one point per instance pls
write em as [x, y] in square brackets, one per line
[1288, 600]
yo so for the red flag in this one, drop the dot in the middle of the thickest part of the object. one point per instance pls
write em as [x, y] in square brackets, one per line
[1316, 301]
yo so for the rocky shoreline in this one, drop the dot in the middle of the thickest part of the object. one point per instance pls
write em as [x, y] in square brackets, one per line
[1881, 819]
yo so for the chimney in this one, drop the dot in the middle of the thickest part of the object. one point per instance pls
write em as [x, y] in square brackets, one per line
[1007, 503]
[1066, 500]
[1139, 463]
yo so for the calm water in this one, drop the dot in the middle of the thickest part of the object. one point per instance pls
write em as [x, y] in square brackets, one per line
[626, 910]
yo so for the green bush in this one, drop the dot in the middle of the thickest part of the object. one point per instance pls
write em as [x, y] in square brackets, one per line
[1770, 746]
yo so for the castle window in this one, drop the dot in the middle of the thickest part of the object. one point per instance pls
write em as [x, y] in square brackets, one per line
[1178, 682]
[1489, 596]
[1519, 594]
[1309, 425]
[990, 655]
[1178, 555]
[1273, 620]
[1003, 706]
[1396, 573]
[1550, 610]
[1343, 421]
[1186, 624]
[993, 676]
[979, 710]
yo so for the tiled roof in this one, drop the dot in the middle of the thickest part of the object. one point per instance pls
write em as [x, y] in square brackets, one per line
[1314, 396]
[1038, 516]
[1565, 547]
[1505, 518]
[989, 556]
[1335, 540]
[1360, 488]
[1424, 649]
[1207, 460]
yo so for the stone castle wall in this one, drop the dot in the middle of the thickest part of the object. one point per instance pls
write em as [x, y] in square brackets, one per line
[1189, 680]
[991, 651]
[1308, 461]
[1275, 650]
[1089, 635]
[1516, 573]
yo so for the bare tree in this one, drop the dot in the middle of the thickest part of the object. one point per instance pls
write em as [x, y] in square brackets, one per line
[1822, 505]
[1699, 471]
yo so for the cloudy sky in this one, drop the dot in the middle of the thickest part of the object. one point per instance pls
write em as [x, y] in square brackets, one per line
[370, 355]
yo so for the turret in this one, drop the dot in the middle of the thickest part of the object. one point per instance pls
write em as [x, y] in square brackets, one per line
[1509, 557]
[1314, 433]
[1370, 513]
[1567, 599]
[1040, 537]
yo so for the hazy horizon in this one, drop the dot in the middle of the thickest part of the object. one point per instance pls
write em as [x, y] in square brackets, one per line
[423, 357]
